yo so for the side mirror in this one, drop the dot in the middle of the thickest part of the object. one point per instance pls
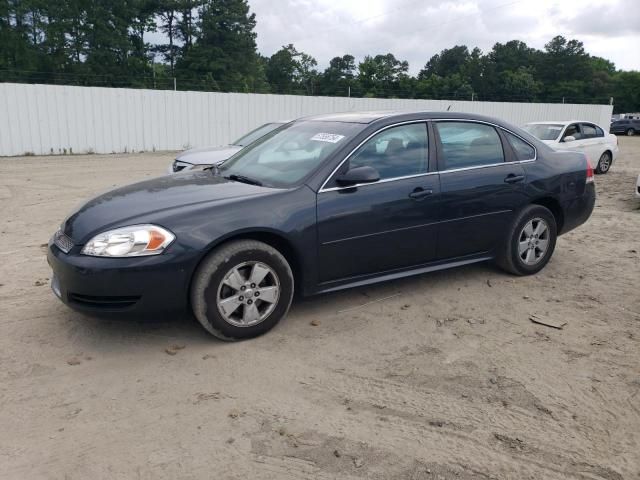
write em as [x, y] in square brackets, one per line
[358, 175]
[569, 138]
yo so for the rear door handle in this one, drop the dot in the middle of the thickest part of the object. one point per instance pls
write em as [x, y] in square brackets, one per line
[512, 178]
[419, 193]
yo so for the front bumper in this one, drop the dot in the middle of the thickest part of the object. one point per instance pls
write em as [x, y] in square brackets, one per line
[139, 285]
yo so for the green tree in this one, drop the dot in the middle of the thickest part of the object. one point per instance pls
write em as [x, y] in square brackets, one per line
[338, 76]
[17, 51]
[520, 85]
[223, 55]
[382, 76]
[626, 92]
[291, 71]
[448, 62]
[112, 53]
[168, 14]
[563, 68]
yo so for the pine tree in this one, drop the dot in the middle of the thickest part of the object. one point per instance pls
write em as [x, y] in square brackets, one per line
[223, 55]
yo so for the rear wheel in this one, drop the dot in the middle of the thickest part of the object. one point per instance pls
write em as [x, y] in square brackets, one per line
[530, 241]
[631, 132]
[604, 164]
[242, 290]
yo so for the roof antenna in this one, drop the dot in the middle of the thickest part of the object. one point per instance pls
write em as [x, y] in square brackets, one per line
[448, 108]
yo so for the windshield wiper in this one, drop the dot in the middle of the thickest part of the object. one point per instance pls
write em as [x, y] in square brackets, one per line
[243, 179]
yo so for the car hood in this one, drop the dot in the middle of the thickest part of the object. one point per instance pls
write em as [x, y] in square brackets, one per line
[208, 155]
[153, 200]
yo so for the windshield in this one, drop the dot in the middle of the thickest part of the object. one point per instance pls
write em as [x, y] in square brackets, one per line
[254, 135]
[287, 155]
[544, 131]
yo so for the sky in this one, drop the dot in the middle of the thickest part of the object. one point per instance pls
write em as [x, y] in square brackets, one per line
[414, 30]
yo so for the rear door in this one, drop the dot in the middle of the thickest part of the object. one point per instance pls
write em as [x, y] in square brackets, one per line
[593, 142]
[389, 224]
[482, 185]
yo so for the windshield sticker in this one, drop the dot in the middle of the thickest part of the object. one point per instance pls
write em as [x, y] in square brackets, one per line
[327, 137]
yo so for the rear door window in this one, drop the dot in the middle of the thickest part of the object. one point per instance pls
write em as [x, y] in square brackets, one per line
[588, 130]
[467, 144]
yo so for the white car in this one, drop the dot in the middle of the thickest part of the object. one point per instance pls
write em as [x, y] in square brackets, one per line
[600, 147]
[638, 187]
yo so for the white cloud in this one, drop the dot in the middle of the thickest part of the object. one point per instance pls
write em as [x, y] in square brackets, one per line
[414, 30]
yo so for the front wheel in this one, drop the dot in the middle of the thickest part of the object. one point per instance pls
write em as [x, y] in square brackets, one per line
[604, 164]
[530, 241]
[242, 290]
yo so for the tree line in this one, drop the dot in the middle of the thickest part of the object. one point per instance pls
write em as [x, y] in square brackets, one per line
[211, 45]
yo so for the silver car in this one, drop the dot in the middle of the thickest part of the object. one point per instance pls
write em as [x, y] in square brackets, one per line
[207, 156]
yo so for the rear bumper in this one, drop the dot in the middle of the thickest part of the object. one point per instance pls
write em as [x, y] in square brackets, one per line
[120, 285]
[578, 210]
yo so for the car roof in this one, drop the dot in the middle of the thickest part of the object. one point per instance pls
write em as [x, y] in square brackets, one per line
[561, 122]
[372, 116]
[352, 117]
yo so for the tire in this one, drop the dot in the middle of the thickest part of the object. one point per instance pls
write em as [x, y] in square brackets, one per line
[604, 164]
[509, 257]
[247, 315]
[630, 132]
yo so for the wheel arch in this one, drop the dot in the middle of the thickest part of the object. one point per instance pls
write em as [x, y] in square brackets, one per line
[553, 205]
[272, 238]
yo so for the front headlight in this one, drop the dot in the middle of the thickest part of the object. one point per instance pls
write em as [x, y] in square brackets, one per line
[133, 241]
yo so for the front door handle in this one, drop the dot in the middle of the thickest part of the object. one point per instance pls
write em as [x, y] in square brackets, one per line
[512, 178]
[419, 193]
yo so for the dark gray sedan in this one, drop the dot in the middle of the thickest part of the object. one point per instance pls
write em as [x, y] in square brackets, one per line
[321, 204]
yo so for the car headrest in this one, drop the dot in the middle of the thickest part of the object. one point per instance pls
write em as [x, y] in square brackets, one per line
[395, 145]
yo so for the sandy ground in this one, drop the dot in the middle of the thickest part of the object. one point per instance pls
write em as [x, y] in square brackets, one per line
[441, 376]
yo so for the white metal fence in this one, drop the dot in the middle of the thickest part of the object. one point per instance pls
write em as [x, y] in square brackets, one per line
[51, 119]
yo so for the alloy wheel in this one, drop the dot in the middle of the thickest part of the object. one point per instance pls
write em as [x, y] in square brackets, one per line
[248, 294]
[604, 163]
[533, 241]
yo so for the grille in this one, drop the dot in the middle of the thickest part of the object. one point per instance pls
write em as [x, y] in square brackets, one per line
[63, 242]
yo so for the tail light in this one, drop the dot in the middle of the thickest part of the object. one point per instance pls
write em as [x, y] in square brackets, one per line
[589, 172]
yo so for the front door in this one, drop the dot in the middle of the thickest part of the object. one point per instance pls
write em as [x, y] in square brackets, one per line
[385, 225]
[481, 185]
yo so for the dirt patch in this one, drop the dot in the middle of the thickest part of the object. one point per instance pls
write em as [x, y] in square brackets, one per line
[441, 376]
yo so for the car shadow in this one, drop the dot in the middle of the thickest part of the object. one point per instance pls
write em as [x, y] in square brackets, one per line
[169, 330]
